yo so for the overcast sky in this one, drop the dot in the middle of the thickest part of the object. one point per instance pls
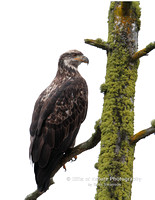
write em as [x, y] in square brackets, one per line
[33, 35]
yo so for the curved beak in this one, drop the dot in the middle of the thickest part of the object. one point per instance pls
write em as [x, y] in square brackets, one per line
[82, 59]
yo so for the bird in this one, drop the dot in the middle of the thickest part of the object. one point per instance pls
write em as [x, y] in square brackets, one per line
[58, 114]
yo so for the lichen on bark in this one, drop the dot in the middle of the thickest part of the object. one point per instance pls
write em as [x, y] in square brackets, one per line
[117, 154]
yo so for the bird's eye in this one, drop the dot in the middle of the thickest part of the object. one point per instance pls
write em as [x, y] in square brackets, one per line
[74, 55]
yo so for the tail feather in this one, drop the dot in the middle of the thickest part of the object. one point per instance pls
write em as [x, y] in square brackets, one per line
[43, 175]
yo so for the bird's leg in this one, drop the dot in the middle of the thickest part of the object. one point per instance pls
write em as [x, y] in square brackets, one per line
[73, 159]
[68, 151]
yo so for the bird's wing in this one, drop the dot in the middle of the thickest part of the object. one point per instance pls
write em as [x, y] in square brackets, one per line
[59, 120]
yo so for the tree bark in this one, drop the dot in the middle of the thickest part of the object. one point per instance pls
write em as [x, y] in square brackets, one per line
[116, 157]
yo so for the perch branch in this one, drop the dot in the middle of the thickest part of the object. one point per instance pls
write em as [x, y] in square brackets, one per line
[89, 144]
[142, 134]
[98, 43]
[144, 51]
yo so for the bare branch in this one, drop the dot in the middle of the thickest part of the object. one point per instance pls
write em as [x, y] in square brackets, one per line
[144, 51]
[98, 43]
[89, 144]
[142, 134]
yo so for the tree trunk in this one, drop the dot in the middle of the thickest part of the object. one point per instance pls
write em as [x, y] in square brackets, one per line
[116, 157]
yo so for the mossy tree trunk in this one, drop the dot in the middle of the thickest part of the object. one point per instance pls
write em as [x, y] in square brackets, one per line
[116, 157]
[117, 154]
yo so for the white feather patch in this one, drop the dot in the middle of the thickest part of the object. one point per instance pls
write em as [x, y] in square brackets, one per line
[67, 64]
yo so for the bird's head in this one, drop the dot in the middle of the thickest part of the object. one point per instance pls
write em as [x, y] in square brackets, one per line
[71, 60]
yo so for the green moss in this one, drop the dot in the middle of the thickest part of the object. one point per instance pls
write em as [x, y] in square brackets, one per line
[150, 47]
[96, 165]
[97, 124]
[153, 123]
[117, 126]
[103, 88]
[99, 40]
[137, 10]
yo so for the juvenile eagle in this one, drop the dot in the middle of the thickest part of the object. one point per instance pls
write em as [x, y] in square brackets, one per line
[57, 117]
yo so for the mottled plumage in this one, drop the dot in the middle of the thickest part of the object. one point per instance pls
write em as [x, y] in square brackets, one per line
[58, 114]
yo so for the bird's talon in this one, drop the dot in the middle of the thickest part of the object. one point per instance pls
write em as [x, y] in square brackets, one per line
[74, 158]
[64, 167]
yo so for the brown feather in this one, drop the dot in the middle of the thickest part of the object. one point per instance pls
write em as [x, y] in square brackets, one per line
[50, 139]
[37, 147]
[44, 156]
